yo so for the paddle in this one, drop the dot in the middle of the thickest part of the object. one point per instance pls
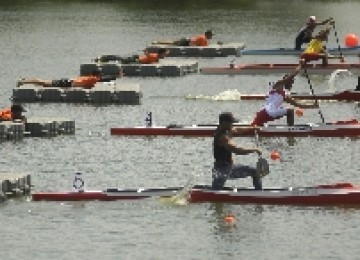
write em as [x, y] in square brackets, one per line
[262, 166]
[182, 197]
[313, 93]
[338, 43]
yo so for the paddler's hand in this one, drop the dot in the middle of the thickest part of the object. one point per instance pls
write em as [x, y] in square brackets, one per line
[302, 62]
[121, 73]
[316, 105]
[258, 151]
[342, 59]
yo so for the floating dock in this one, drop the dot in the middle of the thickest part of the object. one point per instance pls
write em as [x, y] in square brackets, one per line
[36, 127]
[10, 130]
[211, 51]
[14, 185]
[103, 93]
[165, 68]
[47, 127]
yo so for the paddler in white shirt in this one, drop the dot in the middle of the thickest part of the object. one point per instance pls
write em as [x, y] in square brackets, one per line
[278, 94]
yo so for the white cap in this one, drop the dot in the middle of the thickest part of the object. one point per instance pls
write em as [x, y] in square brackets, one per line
[312, 18]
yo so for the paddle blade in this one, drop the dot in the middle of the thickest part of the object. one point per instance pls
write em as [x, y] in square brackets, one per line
[262, 167]
[181, 198]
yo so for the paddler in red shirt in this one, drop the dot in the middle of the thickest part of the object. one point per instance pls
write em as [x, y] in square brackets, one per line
[198, 40]
[146, 58]
[86, 82]
[149, 57]
[13, 113]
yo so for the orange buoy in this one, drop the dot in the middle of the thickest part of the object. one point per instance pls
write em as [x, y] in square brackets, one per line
[229, 218]
[275, 155]
[299, 112]
[351, 40]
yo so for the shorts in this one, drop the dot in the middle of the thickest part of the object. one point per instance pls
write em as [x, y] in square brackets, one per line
[62, 83]
[183, 42]
[130, 60]
[311, 56]
[263, 116]
[230, 172]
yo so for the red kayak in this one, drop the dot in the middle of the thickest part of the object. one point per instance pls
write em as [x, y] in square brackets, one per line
[106, 195]
[278, 68]
[320, 195]
[350, 128]
[346, 95]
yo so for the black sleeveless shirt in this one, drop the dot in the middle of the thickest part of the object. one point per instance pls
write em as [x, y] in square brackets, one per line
[221, 155]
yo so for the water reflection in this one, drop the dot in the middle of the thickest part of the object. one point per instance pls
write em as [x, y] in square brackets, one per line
[236, 229]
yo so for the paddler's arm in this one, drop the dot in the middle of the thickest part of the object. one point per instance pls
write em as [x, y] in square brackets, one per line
[325, 21]
[289, 77]
[239, 131]
[229, 145]
[292, 101]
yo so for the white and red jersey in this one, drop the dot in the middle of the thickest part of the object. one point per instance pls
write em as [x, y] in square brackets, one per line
[272, 109]
[274, 101]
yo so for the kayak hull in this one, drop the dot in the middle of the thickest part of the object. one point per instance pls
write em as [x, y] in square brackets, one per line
[321, 195]
[243, 69]
[350, 128]
[290, 51]
[346, 95]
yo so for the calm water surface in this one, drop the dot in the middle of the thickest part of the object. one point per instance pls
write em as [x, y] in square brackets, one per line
[50, 39]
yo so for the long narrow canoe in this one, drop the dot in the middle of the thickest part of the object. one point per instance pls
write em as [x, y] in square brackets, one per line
[290, 51]
[350, 128]
[320, 195]
[106, 195]
[265, 68]
[345, 95]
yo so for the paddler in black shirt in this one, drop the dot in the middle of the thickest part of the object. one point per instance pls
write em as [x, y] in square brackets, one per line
[305, 33]
[223, 148]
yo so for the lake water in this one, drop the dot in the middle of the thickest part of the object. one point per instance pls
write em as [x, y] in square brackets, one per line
[50, 39]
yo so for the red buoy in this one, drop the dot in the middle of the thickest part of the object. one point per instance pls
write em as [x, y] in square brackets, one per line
[351, 40]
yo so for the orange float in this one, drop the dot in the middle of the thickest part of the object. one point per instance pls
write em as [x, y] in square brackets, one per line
[351, 40]
[299, 112]
[229, 218]
[275, 155]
